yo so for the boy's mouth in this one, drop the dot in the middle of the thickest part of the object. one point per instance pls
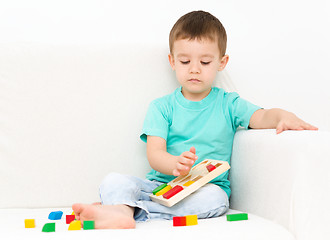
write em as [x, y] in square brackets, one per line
[194, 80]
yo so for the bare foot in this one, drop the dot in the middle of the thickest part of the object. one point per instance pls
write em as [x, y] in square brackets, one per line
[97, 203]
[106, 216]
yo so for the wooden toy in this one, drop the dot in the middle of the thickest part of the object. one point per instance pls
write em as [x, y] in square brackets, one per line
[88, 225]
[164, 190]
[29, 223]
[191, 220]
[70, 218]
[75, 225]
[172, 192]
[49, 227]
[157, 189]
[179, 221]
[188, 220]
[182, 186]
[237, 217]
[210, 167]
[55, 215]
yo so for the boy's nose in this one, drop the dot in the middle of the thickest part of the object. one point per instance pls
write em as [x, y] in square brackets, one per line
[194, 68]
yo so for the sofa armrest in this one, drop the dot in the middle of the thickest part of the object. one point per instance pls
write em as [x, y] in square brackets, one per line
[283, 178]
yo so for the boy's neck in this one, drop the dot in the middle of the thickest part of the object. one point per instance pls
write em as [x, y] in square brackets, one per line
[195, 97]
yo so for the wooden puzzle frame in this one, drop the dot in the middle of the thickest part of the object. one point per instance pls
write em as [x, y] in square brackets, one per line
[198, 176]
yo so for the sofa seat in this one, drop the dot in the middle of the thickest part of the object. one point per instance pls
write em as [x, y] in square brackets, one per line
[70, 115]
[12, 227]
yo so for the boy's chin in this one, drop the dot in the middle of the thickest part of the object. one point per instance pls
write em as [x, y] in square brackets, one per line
[197, 89]
[196, 92]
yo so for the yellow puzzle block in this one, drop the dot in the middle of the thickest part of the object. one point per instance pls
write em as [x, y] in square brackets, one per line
[188, 183]
[29, 223]
[164, 190]
[75, 225]
[191, 220]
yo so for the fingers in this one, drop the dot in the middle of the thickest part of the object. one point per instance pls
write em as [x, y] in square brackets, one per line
[300, 125]
[176, 172]
[185, 161]
[193, 150]
[189, 156]
[279, 129]
[183, 165]
[310, 127]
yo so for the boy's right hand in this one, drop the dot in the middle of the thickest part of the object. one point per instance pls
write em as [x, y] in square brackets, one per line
[184, 162]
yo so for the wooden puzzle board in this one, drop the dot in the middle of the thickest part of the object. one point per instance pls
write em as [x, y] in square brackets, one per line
[197, 177]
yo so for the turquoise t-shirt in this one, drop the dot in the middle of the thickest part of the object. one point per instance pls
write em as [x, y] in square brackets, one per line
[209, 125]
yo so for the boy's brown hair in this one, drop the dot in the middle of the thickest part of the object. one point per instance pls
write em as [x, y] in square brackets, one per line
[199, 25]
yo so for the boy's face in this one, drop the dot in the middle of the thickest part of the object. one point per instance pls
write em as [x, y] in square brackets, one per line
[196, 63]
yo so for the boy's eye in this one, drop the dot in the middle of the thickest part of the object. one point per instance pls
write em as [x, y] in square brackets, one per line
[185, 62]
[205, 63]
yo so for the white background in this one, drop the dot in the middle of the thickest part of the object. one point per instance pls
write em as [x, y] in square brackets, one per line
[279, 50]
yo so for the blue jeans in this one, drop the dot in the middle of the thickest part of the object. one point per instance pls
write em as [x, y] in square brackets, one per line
[208, 201]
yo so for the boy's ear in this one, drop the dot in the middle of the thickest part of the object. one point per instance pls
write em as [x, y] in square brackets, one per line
[223, 62]
[171, 60]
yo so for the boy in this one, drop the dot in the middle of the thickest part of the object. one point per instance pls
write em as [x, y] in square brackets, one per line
[196, 117]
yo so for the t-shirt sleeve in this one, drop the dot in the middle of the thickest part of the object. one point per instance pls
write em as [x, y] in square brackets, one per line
[156, 122]
[240, 110]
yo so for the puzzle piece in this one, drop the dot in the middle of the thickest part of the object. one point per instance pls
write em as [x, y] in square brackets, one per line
[29, 223]
[210, 167]
[70, 218]
[49, 227]
[191, 220]
[237, 217]
[198, 176]
[75, 225]
[157, 189]
[172, 192]
[188, 220]
[187, 184]
[88, 225]
[164, 190]
[179, 221]
[55, 215]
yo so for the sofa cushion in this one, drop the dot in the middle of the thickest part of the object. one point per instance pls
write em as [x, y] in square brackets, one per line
[12, 227]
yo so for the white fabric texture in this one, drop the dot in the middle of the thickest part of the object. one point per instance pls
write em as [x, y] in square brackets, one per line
[256, 228]
[284, 178]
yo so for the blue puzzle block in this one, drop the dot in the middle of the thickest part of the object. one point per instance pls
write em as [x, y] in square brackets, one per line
[55, 215]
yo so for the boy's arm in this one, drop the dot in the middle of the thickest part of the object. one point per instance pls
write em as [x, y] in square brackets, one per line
[278, 118]
[161, 161]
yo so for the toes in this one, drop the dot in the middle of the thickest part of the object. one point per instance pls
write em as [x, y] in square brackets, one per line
[77, 208]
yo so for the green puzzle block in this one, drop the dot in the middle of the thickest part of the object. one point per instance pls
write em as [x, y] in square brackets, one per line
[49, 227]
[237, 217]
[88, 225]
[157, 189]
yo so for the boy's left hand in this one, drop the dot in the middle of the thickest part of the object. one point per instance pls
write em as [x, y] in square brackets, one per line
[290, 121]
[278, 118]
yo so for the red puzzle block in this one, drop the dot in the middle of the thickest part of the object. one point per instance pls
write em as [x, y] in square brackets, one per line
[70, 218]
[172, 192]
[210, 167]
[179, 221]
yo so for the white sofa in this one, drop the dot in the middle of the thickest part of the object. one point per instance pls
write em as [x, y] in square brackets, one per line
[69, 115]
